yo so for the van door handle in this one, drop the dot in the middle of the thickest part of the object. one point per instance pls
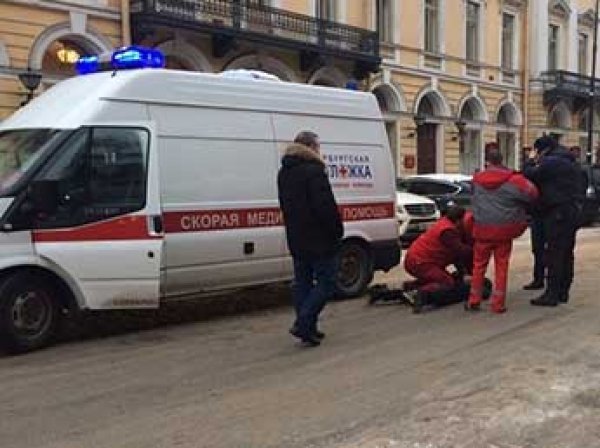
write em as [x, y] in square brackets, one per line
[248, 248]
[156, 224]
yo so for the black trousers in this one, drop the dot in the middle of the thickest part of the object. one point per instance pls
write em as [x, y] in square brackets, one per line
[560, 226]
[538, 247]
[457, 294]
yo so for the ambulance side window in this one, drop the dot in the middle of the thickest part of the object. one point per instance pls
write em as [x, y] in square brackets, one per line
[100, 173]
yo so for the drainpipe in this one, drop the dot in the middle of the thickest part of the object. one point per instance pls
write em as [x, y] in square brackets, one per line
[592, 92]
[525, 80]
[125, 23]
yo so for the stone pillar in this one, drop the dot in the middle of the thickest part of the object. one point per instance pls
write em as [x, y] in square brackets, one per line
[572, 44]
[538, 15]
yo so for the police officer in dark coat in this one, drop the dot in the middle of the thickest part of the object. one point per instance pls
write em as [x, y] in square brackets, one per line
[314, 231]
[558, 176]
[538, 248]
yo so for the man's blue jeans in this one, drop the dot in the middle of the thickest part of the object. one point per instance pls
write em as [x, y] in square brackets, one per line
[314, 285]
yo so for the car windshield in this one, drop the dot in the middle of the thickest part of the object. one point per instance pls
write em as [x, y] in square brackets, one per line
[19, 151]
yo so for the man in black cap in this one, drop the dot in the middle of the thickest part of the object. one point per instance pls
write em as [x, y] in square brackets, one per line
[558, 176]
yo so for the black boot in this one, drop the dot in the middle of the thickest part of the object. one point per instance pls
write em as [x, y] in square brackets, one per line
[421, 299]
[546, 299]
[534, 285]
[564, 296]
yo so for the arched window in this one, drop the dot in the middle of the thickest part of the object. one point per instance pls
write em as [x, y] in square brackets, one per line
[468, 111]
[176, 63]
[62, 54]
[559, 117]
[426, 107]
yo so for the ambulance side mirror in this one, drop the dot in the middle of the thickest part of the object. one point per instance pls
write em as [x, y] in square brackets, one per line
[43, 195]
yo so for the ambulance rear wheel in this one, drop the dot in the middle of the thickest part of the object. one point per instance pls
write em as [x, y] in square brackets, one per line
[29, 312]
[355, 270]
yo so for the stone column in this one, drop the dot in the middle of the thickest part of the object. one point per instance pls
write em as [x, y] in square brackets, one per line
[572, 44]
[538, 17]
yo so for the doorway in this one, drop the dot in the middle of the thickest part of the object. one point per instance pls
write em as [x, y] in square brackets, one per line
[426, 148]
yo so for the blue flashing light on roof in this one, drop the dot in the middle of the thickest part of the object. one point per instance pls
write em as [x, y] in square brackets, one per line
[121, 59]
[137, 57]
[87, 64]
[352, 84]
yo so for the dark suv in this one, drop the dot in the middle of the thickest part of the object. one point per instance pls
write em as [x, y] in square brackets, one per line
[445, 189]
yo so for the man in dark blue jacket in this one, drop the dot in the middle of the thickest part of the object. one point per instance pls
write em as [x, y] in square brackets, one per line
[314, 231]
[558, 176]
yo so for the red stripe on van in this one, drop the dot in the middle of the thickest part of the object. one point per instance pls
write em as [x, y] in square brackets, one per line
[136, 227]
[211, 220]
[123, 228]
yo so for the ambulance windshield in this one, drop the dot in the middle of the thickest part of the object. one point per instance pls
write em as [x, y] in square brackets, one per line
[19, 151]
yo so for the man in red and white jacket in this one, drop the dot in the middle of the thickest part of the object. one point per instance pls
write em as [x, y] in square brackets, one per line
[501, 198]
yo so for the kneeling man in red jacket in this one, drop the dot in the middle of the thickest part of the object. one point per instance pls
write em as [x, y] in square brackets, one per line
[447, 243]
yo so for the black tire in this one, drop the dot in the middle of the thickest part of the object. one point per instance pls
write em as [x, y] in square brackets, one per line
[355, 270]
[29, 312]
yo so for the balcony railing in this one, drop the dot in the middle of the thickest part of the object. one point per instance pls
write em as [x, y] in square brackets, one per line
[250, 20]
[563, 84]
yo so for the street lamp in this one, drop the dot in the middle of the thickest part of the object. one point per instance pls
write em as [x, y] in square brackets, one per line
[31, 81]
[461, 126]
[420, 119]
[592, 89]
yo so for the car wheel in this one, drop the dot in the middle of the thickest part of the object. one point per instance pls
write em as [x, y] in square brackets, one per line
[29, 312]
[355, 270]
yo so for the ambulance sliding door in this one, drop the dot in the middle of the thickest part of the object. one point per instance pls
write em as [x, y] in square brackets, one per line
[222, 219]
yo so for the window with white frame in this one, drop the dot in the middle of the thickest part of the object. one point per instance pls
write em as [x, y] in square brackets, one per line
[553, 46]
[508, 41]
[385, 20]
[472, 31]
[326, 9]
[582, 59]
[432, 26]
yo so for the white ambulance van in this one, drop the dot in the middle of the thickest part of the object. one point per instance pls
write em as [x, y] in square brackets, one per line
[128, 188]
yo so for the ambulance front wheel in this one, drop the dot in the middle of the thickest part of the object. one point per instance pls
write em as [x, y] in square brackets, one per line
[29, 312]
[355, 270]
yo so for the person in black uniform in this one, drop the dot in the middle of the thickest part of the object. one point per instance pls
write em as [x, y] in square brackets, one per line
[538, 248]
[559, 177]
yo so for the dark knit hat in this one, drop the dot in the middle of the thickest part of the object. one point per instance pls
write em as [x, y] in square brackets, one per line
[544, 142]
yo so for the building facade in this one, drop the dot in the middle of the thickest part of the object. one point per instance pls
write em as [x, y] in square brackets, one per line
[321, 42]
[451, 81]
[450, 75]
[560, 69]
[46, 37]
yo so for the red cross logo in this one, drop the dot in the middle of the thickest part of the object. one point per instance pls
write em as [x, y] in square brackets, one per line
[343, 171]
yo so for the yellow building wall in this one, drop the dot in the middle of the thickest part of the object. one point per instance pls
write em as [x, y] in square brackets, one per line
[409, 26]
[21, 25]
[299, 6]
[454, 30]
[11, 95]
[358, 13]
[584, 4]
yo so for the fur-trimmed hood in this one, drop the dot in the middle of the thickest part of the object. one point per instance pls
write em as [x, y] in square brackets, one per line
[296, 154]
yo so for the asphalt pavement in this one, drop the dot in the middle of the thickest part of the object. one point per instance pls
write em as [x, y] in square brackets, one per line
[382, 378]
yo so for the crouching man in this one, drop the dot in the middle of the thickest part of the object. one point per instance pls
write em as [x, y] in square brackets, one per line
[448, 242]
